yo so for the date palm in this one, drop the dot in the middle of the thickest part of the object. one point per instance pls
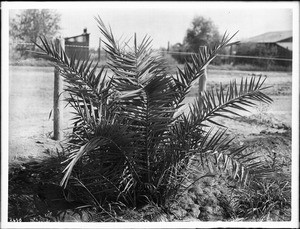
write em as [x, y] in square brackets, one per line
[130, 142]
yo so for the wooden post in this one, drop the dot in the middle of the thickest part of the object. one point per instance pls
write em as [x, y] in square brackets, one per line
[57, 101]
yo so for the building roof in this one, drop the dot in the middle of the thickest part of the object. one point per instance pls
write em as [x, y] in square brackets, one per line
[75, 38]
[270, 37]
[286, 45]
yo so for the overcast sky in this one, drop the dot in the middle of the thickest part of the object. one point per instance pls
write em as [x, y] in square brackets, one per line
[168, 21]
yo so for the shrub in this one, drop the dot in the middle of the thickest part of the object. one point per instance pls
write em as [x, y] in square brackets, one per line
[264, 51]
[131, 141]
[264, 200]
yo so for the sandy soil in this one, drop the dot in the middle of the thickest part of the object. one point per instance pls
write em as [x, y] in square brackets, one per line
[31, 99]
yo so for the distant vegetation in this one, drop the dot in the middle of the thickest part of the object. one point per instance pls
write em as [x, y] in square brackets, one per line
[202, 33]
[262, 50]
[26, 27]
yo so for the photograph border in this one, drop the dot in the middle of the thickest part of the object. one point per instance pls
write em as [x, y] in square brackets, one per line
[6, 6]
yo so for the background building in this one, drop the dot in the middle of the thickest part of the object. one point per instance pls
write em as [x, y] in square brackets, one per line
[79, 45]
[277, 45]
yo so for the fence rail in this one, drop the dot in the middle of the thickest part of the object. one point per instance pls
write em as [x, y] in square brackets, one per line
[79, 46]
[183, 53]
[234, 56]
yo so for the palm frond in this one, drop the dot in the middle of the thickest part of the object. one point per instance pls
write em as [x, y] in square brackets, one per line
[87, 89]
[227, 104]
[186, 78]
[106, 152]
[217, 155]
[141, 80]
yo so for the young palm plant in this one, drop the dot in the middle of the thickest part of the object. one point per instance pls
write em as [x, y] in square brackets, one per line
[130, 142]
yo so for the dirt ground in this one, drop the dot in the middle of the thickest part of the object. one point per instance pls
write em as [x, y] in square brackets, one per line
[266, 130]
[31, 101]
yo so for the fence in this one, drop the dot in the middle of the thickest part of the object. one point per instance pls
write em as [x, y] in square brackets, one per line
[264, 62]
[103, 54]
[229, 56]
[71, 49]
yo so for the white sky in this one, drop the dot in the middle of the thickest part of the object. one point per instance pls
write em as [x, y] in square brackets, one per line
[168, 21]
